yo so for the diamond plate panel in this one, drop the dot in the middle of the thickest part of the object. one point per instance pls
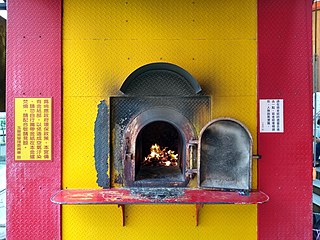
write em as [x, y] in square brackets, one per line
[138, 216]
[33, 70]
[212, 40]
[196, 108]
[78, 165]
[160, 82]
[285, 73]
[166, 19]
[227, 72]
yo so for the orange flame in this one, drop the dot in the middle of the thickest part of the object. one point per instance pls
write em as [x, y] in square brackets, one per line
[160, 157]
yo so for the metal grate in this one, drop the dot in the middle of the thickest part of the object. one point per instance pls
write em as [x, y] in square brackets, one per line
[160, 83]
[160, 79]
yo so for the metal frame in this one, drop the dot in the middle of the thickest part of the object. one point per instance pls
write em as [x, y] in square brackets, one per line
[171, 116]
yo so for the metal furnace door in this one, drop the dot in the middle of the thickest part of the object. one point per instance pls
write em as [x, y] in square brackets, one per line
[224, 156]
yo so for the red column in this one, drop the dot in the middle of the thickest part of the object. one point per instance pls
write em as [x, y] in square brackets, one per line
[33, 70]
[285, 72]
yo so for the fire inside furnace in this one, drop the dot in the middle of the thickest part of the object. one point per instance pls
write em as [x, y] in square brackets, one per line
[160, 157]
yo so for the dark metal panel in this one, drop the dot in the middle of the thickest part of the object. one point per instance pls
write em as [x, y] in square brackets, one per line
[101, 145]
[156, 79]
[224, 155]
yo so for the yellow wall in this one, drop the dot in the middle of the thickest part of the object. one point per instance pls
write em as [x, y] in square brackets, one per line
[103, 42]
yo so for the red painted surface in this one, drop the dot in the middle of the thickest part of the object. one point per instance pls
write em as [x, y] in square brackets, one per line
[181, 196]
[33, 70]
[285, 72]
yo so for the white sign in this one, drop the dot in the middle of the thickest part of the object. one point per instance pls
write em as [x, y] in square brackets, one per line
[271, 116]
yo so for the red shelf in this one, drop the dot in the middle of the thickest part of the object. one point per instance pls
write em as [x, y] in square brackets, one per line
[122, 197]
[155, 196]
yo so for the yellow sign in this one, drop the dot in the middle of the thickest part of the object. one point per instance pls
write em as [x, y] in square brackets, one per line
[33, 129]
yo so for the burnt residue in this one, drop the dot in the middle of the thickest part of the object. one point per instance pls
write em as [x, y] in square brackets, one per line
[158, 194]
[101, 145]
[118, 179]
[225, 156]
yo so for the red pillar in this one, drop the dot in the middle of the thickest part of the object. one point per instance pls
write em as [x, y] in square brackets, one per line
[285, 72]
[33, 70]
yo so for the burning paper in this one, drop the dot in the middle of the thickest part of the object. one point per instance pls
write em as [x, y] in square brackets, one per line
[160, 157]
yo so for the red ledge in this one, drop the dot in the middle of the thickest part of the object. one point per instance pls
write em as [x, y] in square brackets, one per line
[155, 196]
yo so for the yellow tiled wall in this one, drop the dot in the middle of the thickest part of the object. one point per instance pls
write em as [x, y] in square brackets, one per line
[103, 42]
